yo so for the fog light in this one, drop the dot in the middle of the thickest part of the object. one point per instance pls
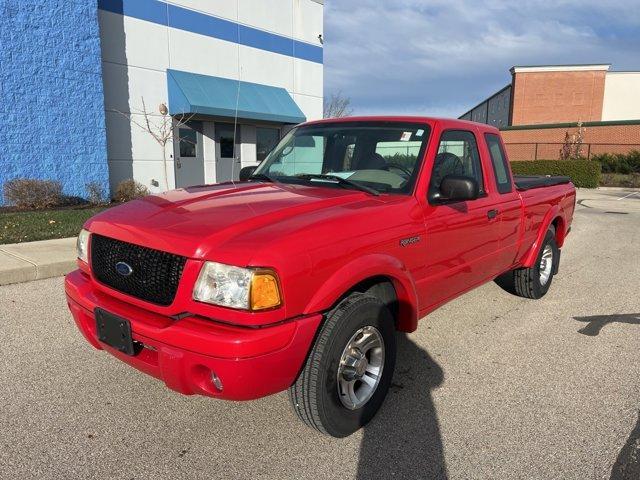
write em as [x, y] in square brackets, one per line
[216, 381]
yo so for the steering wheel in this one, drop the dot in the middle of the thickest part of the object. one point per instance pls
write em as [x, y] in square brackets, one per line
[398, 167]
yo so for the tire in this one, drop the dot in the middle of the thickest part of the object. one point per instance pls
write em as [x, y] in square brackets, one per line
[316, 395]
[531, 282]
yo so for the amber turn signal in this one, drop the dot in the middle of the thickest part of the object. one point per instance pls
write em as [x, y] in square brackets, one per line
[265, 291]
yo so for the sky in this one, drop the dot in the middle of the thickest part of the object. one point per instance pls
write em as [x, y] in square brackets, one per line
[442, 57]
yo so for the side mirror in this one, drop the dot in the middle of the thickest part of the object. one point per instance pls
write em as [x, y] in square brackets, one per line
[456, 188]
[246, 172]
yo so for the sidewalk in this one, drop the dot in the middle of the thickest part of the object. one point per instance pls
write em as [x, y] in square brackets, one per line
[23, 262]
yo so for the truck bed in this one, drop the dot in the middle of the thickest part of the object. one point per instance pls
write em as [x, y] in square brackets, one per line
[527, 182]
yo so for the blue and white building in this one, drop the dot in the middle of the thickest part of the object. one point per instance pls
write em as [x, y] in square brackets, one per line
[75, 75]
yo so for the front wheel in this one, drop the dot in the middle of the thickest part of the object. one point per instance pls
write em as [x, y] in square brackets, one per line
[349, 369]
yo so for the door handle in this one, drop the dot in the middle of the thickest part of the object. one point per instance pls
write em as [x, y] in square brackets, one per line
[491, 214]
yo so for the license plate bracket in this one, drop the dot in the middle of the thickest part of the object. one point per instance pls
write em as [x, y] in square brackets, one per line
[114, 331]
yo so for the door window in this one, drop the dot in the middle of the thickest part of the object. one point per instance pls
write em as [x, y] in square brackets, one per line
[225, 140]
[266, 139]
[188, 142]
[457, 155]
[499, 162]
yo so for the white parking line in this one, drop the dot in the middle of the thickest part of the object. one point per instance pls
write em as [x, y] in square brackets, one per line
[631, 194]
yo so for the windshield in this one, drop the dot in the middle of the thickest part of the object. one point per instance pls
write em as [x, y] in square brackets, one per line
[384, 156]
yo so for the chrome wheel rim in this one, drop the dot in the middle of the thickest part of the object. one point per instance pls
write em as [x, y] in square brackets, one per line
[360, 367]
[546, 264]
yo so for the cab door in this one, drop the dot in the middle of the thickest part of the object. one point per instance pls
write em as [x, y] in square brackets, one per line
[462, 238]
[510, 202]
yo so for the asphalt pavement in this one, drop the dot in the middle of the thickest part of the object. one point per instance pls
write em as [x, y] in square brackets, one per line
[490, 386]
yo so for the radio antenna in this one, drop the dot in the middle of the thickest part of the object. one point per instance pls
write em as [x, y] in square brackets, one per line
[235, 117]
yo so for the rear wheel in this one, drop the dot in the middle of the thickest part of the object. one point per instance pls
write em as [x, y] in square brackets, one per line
[534, 282]
[349, 369]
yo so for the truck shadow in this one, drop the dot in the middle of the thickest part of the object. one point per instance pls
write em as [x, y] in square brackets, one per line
[403, 440]
[595, 323]
[627, 466]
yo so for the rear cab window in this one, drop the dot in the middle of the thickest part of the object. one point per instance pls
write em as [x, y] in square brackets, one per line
[499, 162]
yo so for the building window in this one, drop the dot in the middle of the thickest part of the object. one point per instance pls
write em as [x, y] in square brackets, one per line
[266, 139]
[225, 140]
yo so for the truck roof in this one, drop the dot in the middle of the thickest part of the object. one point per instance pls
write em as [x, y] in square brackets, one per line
[443, 122]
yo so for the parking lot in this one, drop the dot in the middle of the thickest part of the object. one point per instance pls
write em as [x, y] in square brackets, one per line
[490, 386]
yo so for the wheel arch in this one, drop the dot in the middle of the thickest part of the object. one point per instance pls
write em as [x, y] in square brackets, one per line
[365, 273]
[553, 218]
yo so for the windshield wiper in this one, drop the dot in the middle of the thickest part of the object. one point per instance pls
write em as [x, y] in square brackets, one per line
[340, 181]
[262, 176]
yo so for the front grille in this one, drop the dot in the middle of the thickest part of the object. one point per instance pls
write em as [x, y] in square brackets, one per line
[153, 275]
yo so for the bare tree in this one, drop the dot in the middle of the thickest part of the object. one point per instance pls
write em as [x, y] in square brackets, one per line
[159, 127]
[337, 106]
[572, 146]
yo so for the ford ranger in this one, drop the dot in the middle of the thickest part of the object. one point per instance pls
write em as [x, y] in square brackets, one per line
[298, 276]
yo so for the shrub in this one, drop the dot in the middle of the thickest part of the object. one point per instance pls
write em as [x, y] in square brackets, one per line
[620, 180]
[583, 173]
[95, 193]
[130, 190]
[26, 193]
[624, 163]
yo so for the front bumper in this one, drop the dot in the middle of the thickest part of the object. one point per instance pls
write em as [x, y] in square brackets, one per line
[250, 362]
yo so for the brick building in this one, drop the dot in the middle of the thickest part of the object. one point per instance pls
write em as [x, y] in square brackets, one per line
[543, 103]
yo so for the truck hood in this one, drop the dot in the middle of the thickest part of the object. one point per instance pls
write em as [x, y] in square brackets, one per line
[195, 221]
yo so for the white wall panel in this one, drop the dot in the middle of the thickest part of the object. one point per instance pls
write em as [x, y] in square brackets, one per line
[310, 106]
[130, 41]
[145, 172]
[195, 53]
[308, 77]
[219, 8]
[126, 141]
[621, 96]
[125, 87]
[307, 21]
[273, 15]
[148, 172]
[266, 68]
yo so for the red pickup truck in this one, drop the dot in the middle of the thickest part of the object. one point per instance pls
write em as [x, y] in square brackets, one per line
[298, 276]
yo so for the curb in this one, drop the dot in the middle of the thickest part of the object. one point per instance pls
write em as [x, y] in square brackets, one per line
[24, 262]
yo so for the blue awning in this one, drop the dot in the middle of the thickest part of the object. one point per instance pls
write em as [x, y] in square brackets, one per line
[206, 95]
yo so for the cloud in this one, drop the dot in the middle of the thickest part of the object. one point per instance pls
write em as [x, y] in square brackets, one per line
[442, 57]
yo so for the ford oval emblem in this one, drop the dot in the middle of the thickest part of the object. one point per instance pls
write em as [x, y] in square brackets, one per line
[124, 269]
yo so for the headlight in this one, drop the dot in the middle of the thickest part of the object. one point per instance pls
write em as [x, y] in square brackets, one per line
[82, 245]
[236, 287]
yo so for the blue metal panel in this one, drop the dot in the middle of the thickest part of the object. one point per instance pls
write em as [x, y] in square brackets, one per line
[307, 52]
[206, 95]
[52, 125]
[156, 11]
[149, 10]
[255, 38]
